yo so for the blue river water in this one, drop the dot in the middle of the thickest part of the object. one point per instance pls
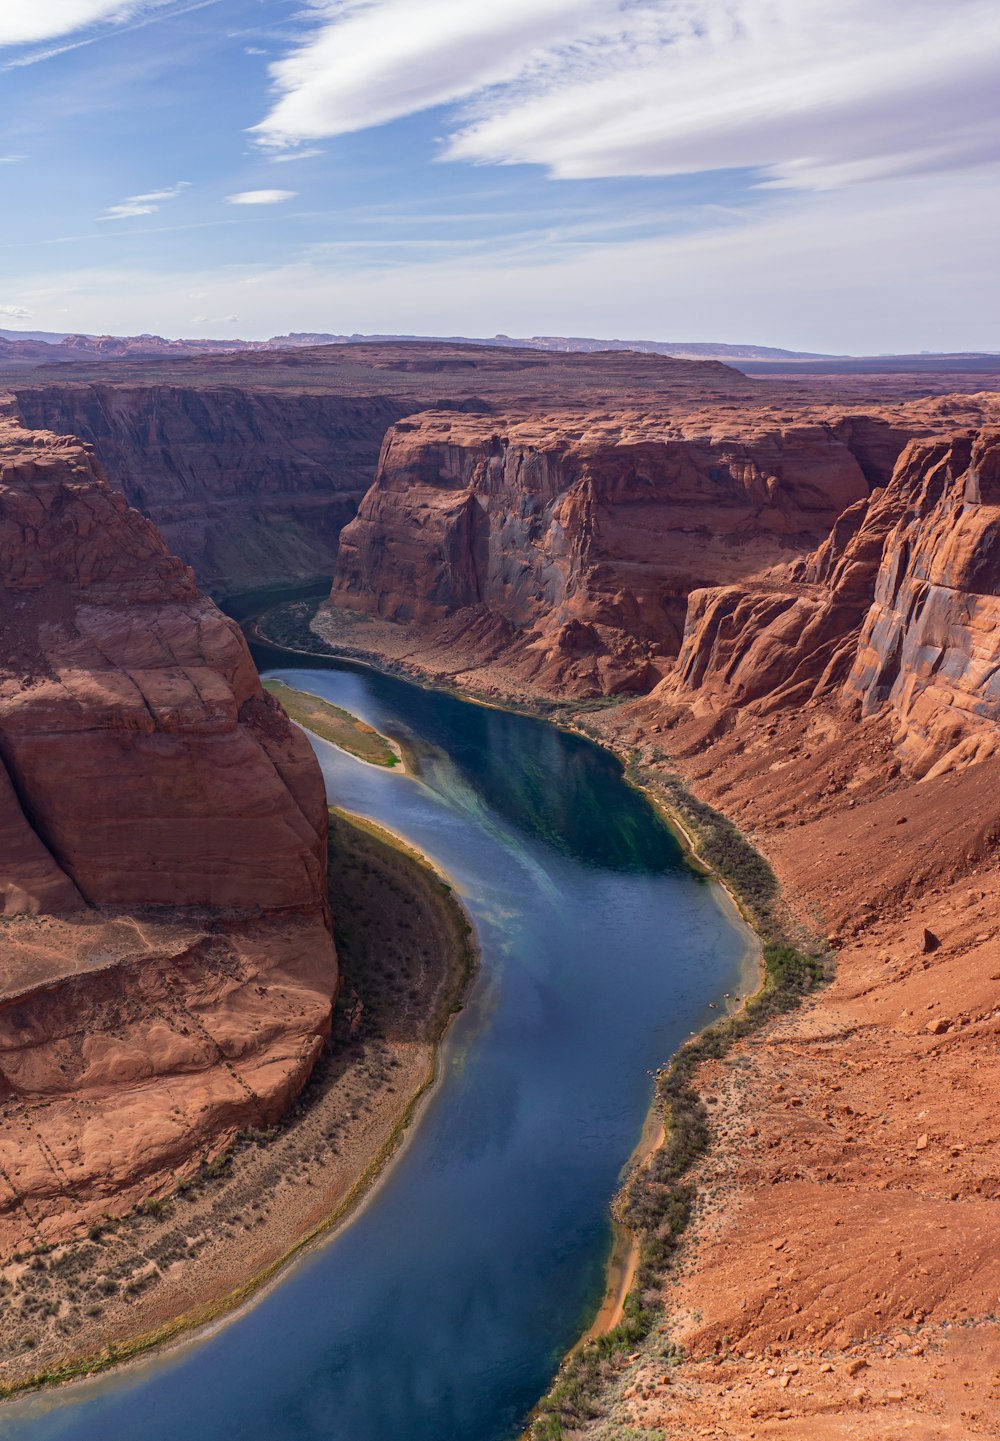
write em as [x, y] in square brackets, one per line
[441, 1312]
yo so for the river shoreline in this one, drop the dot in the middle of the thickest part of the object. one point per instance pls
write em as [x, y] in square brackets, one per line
[624, 1260]
[787, 1106]
[321, 1190]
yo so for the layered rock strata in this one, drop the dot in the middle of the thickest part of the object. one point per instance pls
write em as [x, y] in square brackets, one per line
[895, 615]
[585, 534]
[250, 488]
[169, 971]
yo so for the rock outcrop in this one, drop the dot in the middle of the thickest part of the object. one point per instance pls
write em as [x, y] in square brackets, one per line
[168, 967]
[896, 613]
[586, 534]
[930, 646]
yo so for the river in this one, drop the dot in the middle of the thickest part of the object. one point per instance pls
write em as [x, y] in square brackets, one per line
[441, 1312]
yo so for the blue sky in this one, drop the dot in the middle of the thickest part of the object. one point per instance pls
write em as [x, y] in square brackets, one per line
[821, 174]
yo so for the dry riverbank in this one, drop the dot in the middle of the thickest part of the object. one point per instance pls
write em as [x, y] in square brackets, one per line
[407, 954]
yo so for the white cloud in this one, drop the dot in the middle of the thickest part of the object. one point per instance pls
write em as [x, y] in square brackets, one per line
[14, 312]
[260, 197]
[147, 204]
[23, 22]
[92, 20]
[12, 159]
[810, 95]
[376, 62]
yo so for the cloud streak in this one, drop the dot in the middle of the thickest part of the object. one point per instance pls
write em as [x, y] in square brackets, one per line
[260, 197]
[70, 17]
[813, 96]
[838, 271]
[147, 204]
[25, 22]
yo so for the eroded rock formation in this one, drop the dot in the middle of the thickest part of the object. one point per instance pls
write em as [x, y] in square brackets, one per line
[896, 614]
[930, 646]
[250, 488]
[168, 968]
[585, 534]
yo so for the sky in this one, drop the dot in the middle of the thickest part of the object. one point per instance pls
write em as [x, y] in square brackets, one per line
[815, 174]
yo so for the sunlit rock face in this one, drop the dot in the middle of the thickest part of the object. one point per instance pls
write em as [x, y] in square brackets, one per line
[896, 614]
[167, 953]
[930, 645]
[585, 533]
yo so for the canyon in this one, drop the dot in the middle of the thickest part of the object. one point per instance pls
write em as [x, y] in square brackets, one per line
[783, 592]
[833, 689]
[251, 463]
[169, 970]
[249, 488]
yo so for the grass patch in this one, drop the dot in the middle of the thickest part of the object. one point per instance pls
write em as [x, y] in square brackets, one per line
[333, 724]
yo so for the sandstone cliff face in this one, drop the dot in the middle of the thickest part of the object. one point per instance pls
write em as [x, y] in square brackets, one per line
[930, 646]
[839, 705]
[586, 533]
[250, 488]
[897, 612]
[167, 956]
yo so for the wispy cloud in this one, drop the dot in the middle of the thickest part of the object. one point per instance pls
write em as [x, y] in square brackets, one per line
[25, 22]
[853, 270]
[260, 197]
[147, 204]
[304, 153]
[73, 17]
[14, 312]
[12, 159]
[809, 96]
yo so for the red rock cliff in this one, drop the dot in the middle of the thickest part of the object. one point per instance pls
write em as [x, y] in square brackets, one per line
[167, 956]
[896, 613]
[585, 533]
[930, 646]
[249, 487]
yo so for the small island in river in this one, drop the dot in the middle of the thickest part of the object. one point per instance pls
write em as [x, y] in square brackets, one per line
[335, 725]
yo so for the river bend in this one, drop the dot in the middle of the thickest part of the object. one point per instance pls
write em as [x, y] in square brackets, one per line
[441, 1312]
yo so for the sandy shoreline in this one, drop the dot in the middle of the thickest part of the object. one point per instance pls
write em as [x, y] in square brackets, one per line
[198, 1257]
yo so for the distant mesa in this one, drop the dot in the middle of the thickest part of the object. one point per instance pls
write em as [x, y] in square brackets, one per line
[763, 358]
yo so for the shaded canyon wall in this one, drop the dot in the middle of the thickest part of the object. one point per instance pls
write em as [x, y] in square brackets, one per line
[250, 488]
